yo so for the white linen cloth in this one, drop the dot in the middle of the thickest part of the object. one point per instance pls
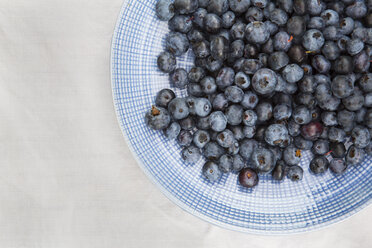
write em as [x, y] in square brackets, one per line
[67, 178]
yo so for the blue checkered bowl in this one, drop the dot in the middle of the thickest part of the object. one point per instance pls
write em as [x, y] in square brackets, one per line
[271, 207]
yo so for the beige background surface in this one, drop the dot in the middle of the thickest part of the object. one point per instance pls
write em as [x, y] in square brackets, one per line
[67, 178]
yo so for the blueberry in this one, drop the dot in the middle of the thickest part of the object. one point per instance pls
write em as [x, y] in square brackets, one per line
[212, 23]
[355, 155]
[264, 111]
[172, 131]
[242, 80]
[202, 123]
[297, 54]
[164, 10]
[260, 133]
[302, 143]
[276, 134]
[225, 163]
[234, 114]
[320, 147]
[234, 148]
[238, 163]
[361, 62]
[251, 66]
[238, 132]
[201, 49]
[239, 6]
[301, 115]
[217, 121]
[336, 134]
[188, 123]
[208, 85]
[281, 85]
[247, 147]
[337, 149]
[201, 62]
[249, 131]
[213, 65]
[250, 100]
[186, 6]
[178, 108]
[278, 16]
[299, 7]
[257, 32]
[185, 138]
[194, 89]
[201, 138]
[234, 94]
[329, 118]
[337, 6]
[166, 62]
[196, 74]
[179, 78]
[342, 43]
[346, 25]
[268, 47]
[199, 16]
[163, 97]
[330, 104]
[225, 138]
[354, 46]
[278, 60]
[368, 118]
[292, 155]
[212, 151]
[263, 160]
[218, 6]
[236, 50]
[359, 33]
[225, 77]
[228, 19]
[346, 120]
[202, 107]
[361, 137]
[365, 82]
[314, 7]
[250, 51]
[281, 41]
[330, 17]
[191, 154]
[219, 48]
[368, 149]
[307, 84]
[321, 64]
[296, 25]
[343, 65]
[264, 81]
[295, 173]
[368, 100]
[312, 131]
[271, 27]
[313, 40]
[180, 23]
[282, 112]
[356, 10]
[249, 118]
[157, 118]
[248, 178]
[354, 102]
[360, 114]
[342, 86]
[338, 166]
[293, 128]
[332, 33]
[319, 165]
[211, 171]
[316, 22]
[220, 102]
[238, 31]
[292, 73]
[254, 14]
[177, 43]
[279, 171]
[203, 3]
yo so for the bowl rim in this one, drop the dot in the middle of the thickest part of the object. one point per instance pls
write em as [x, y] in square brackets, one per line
[178, 202]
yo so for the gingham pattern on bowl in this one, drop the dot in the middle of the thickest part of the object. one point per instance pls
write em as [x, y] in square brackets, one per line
[270, 208]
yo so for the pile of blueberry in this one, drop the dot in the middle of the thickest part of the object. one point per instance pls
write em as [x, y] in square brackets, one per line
[271, 79]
